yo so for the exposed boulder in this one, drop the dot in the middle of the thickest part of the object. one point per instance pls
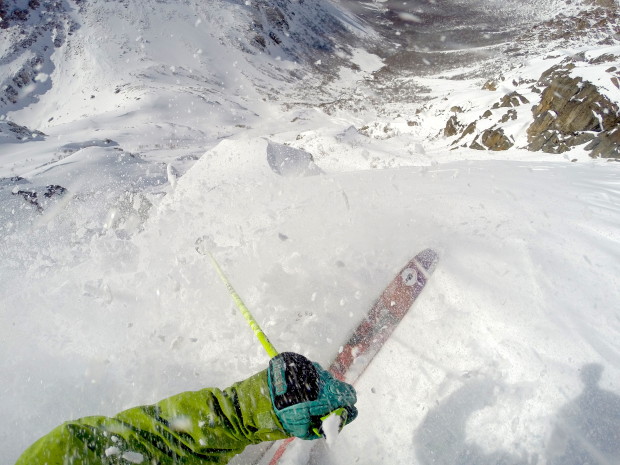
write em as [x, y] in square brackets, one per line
[452, 127]
[598, 22]
[492, 139]
[495, 139]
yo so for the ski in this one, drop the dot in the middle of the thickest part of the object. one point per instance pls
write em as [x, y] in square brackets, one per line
[382, 319]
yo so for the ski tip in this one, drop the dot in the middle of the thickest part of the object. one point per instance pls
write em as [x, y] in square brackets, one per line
[428, 258]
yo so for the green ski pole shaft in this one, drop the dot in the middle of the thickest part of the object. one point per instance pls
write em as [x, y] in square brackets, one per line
[262, 337]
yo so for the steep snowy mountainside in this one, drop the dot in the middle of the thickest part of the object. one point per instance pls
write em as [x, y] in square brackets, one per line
[156, 82]
[182, 73]
[316, 163]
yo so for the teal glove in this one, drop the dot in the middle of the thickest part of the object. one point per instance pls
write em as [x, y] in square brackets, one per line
[303, 394]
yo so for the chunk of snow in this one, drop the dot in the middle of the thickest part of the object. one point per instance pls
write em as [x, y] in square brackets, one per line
[331, 428]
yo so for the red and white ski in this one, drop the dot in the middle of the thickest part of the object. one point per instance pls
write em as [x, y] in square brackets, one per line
[384, 316]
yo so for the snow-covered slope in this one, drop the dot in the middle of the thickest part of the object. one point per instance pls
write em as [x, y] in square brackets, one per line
[166, 122]
[521, 302]
[163, 78]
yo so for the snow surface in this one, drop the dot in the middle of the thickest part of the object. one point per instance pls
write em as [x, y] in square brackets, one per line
[511, 354]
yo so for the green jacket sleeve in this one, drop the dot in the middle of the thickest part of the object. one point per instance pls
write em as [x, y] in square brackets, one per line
[203, 427]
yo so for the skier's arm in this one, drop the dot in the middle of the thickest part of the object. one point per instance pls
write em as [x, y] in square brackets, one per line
[207, 426]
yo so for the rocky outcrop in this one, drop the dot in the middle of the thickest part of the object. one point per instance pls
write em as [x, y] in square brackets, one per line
[486, 133]
[304, 31]
[573, 111]
[578, 104]
[11, 132]
[32, 197]
[598, 23]
[25, 76]
[32, 30]
[269, 25]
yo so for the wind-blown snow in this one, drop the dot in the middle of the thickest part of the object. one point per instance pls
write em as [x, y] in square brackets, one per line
[511, 354]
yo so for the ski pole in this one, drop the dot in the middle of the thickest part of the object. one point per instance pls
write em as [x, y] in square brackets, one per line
[262, 337]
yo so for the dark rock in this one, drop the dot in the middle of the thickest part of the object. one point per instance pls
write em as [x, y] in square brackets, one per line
[510, 115]
[17, 133]
[4, 13]
[273, 36]
[34, 26]
[514, 99]
[549, 142]
[452, 127]
[470, 129]
[281, 27]
[54, 189]
[495, 139]
[581, 138]
[571, 111]
[32, 196]
[275, 18]
[490, 85]
[606, 144]
[604, 58]
[259, 41]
